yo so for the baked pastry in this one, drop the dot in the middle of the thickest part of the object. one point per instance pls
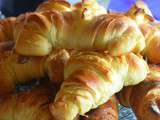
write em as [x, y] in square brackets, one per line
[16, 69]
[90, 79]
[30, 105]
[144, 98]
[152, 36]
[149, 27]
[6, 33]
[6, 29]
[13, 72]
[89, 8]
[59, 5]
[33, 105]
[46, 31]
[140, 12]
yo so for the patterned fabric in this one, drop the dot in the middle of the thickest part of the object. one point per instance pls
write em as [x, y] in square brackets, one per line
[126, 114]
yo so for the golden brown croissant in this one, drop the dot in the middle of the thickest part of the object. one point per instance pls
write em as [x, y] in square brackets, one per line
[27, 69]
[89, 8]
[12, 71]
[152, 36]
[140, 12]
[42, 32]
[60, 5]
[90, 79]
[34, 105]
[8, 24]
[143, 17]
[18, 69]
[6, 33]
[6, 29]
[31, 105]
[144, 98]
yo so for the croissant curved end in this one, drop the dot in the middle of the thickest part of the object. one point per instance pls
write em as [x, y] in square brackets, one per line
[63, 108]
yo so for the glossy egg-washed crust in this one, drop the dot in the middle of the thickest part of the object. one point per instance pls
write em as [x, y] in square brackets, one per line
[90, 79]
[44, 31]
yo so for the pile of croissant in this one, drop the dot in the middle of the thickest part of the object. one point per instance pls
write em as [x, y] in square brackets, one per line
[87, 59]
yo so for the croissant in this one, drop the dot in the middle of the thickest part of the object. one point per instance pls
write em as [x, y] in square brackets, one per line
[89, 8]
[144, 98]
[149, 27]
[33, 105]
[16, 69]
[6, 33]
[6, 29]
[7, 25]
[40, 33]
[152, 36]
[12, 72]
[90, 79]
[60, 5]
[140, 12]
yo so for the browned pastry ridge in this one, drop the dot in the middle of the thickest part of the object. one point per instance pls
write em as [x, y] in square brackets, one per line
[144, 98]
